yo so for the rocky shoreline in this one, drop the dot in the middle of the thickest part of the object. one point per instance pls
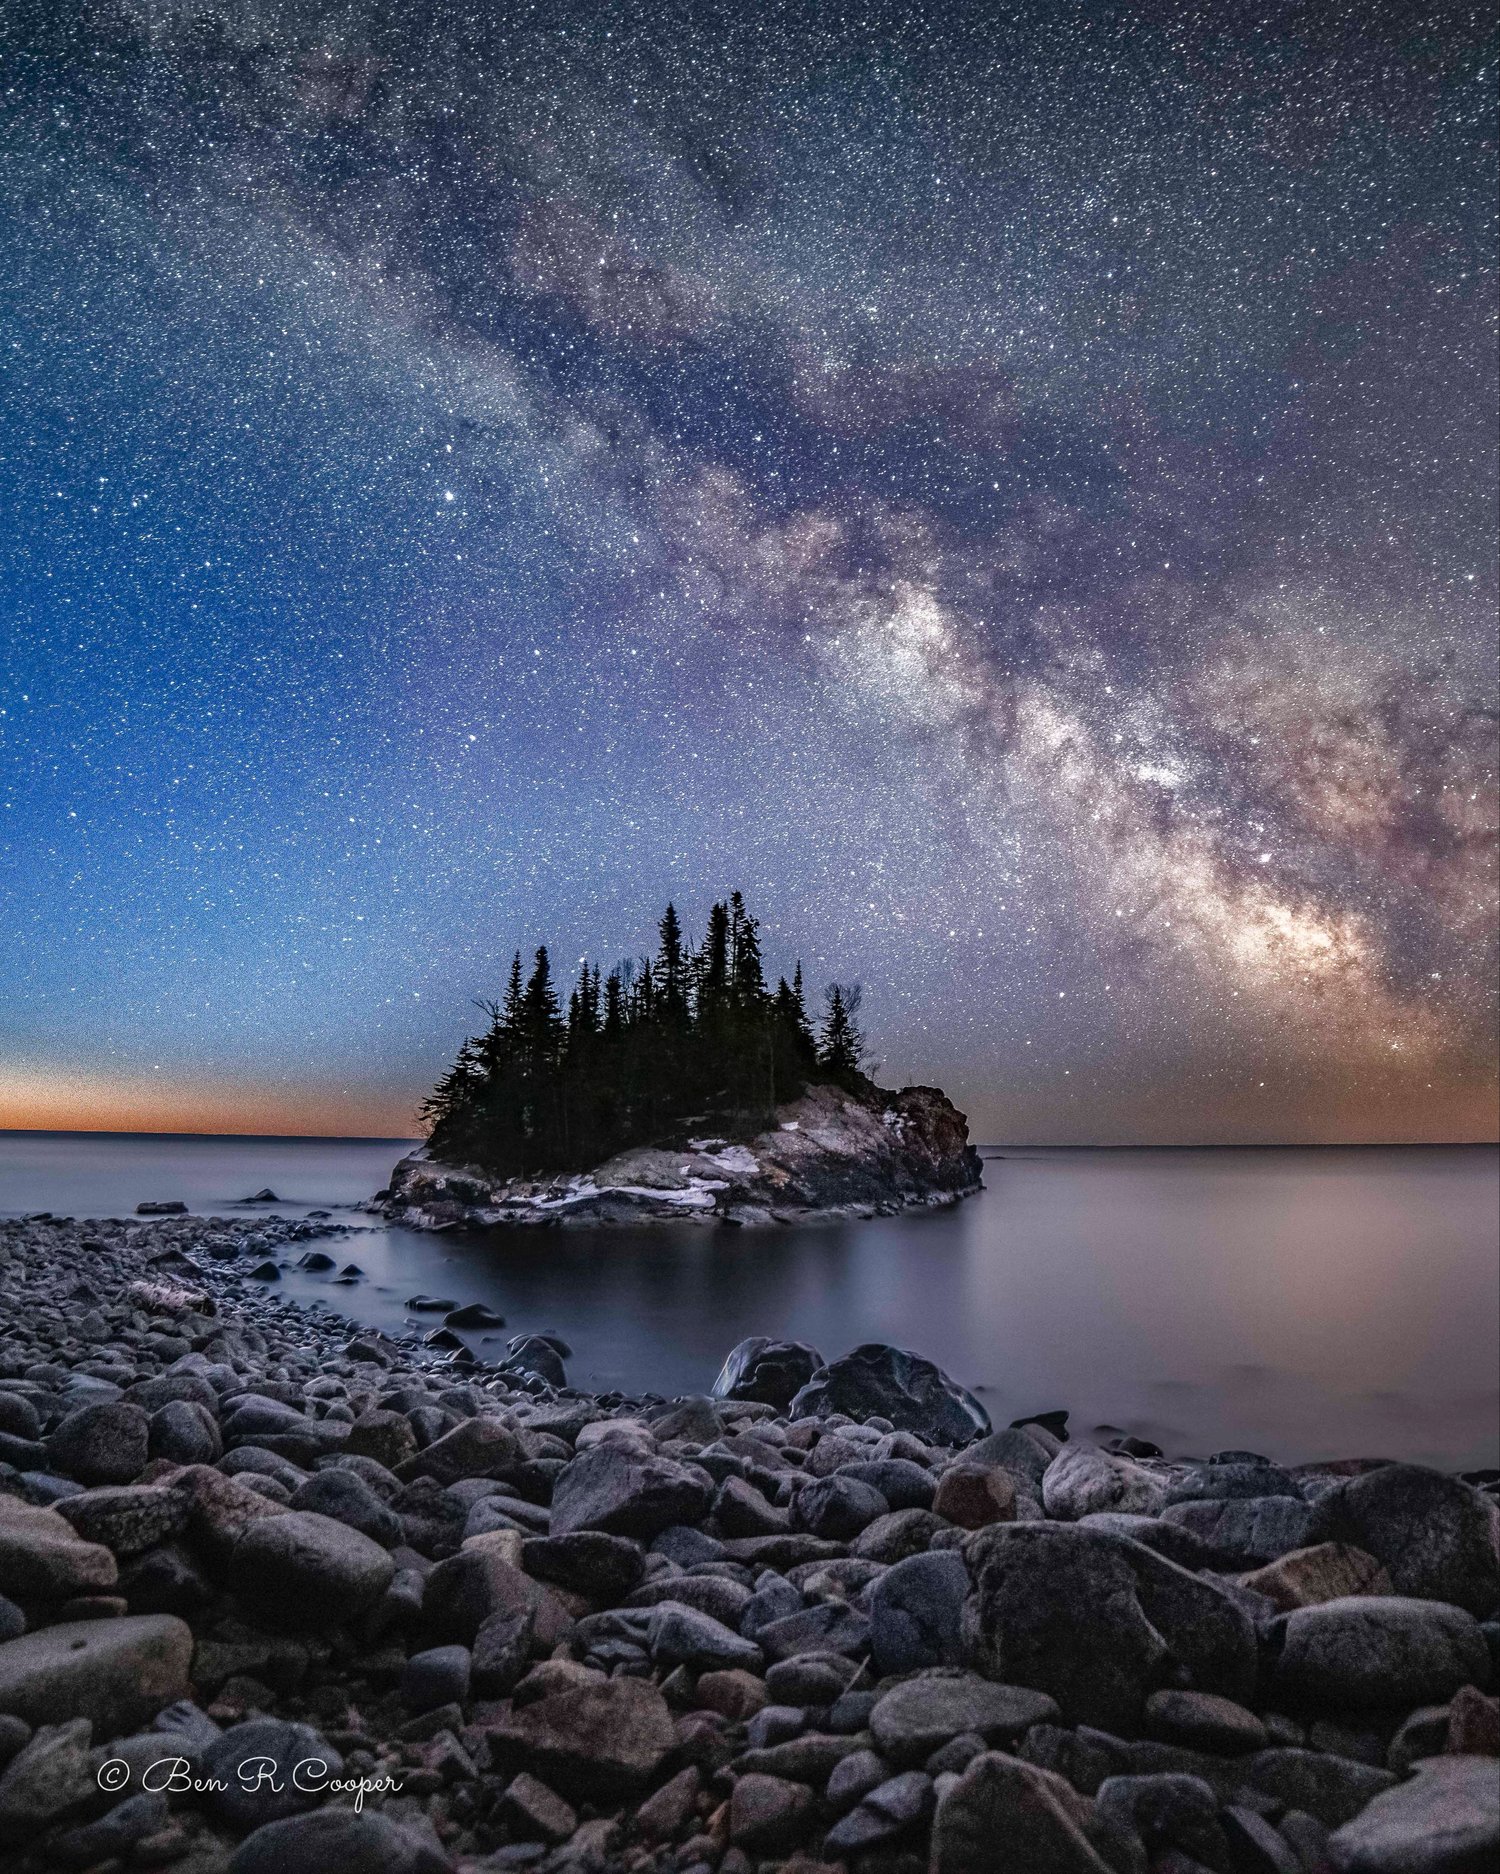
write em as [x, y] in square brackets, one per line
[826, 1155]
[282, 1597]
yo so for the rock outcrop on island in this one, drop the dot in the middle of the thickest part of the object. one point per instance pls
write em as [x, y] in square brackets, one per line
[831, 1153]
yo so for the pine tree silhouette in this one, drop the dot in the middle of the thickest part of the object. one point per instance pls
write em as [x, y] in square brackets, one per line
[662, 1046]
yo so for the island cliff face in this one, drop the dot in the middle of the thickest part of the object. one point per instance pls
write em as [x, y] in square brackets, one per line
[830, 1153]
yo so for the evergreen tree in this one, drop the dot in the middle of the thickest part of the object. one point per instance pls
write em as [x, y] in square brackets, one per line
[745, 964]
[672, 967]
[667, 1044]
[799, 1008]
[842, 1046]
[614, 1007]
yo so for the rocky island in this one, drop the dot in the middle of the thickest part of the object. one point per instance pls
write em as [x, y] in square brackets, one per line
[279, 1597]
[678, 1088]
[829, 1153]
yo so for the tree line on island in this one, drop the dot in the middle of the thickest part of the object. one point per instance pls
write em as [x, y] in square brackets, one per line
[687, 1037]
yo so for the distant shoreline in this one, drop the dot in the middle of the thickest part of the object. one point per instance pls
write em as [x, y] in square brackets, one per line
[986, 1151]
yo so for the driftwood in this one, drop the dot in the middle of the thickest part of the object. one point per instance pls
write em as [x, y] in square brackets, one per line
[171, 1298]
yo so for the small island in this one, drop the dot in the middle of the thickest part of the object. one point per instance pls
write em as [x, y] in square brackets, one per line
[678, 1087]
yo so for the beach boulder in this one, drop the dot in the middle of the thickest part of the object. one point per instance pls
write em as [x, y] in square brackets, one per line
[881, 1381]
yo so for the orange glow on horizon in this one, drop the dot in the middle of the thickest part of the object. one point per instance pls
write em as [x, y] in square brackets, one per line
[36, 1098]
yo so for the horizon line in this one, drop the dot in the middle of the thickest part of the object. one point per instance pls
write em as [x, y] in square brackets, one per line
[997, 1146]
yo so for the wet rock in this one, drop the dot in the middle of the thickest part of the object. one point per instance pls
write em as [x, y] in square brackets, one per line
[271, 1770]
[473, 1314]
[537, 1356]
[1445, 1820]
[478, 1447]
[502, 1648]
[338, 1841]
[735, 1695]
[682, 1636]
[628, 1493]
[439, 1676]
[1083, 1480]
[43, 1558]
[975, 1495]
[47, 1781]
[1327, 1571]
[303, 1569]
[539, 1813]
[1373, 1651]
[1438, 1539]
[345, 1497]
[101, 1444]
[916, 1613]
[661, 1816]
[604, 1567]
[890, 1539]
[1166, 1811]
[116, 1673]
[1331, 1788]
[1473, 1724]
[768, 1372]
[1041, 1820]
[830, 1627]
[905, 1485]
[880, 1381]
[741, 1510]
[184, 1432]
[1095, 1619]
[1203, 1721]
[891, 1810]
[768, 1814]
[809, 1679]
[1241, 1531]
[385, 1436]
[594, 1739]
[838, 1508]
[1233, 1479]
[468, 1589]
[126, 1518]
[112, 1837]
[854, 1776]
[916, 1717]
[162, 1207]
[1014, 1450]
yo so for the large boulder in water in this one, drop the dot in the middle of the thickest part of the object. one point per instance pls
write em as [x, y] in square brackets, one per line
[879, 1381]
[767, 1372]
[535, 1356]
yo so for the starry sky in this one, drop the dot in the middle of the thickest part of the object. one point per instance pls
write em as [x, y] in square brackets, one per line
[1010, 487]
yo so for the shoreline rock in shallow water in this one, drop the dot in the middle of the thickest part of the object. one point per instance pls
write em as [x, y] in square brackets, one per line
[829, 1154]
[527, 1627]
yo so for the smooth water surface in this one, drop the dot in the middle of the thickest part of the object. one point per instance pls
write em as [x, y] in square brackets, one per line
[1302, 1302]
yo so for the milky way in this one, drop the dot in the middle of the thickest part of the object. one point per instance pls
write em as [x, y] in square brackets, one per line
[1012, 489]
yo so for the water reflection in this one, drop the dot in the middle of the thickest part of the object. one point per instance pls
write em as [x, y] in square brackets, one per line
[1303, 1302]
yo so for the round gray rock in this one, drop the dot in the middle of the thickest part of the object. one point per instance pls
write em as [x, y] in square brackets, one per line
[303, 1569]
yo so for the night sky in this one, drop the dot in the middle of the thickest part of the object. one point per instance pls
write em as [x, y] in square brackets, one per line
[1012, 489]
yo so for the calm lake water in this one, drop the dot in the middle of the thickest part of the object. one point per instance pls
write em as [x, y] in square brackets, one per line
[1306, 1303]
